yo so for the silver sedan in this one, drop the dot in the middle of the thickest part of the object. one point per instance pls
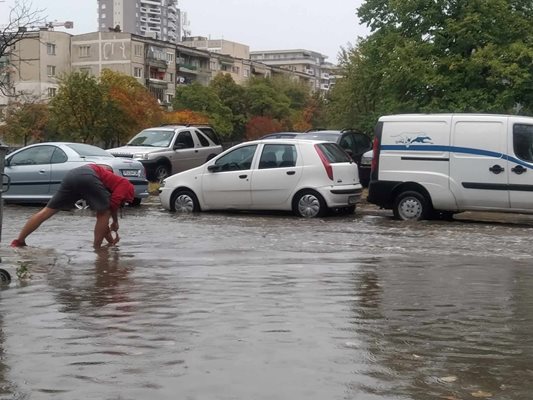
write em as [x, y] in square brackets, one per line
[35, 172]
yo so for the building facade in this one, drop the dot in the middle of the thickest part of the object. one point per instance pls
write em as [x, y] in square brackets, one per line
[35, 66]
[152, 62]
[43, 56]
[307, 63]
[157, 19]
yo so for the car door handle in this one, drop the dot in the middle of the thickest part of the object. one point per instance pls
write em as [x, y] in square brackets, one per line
[42, 171]
[291, 172]
[519, 169]
[243, 176]
[496, 169]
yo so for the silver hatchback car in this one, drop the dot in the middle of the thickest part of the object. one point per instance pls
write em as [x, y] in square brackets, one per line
[35, 172]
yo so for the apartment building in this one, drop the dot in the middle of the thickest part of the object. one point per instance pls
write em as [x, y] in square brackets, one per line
[218, 46]
[35, 66]
[157, 19]
[152, 62]
[311, 66]
[43, 56]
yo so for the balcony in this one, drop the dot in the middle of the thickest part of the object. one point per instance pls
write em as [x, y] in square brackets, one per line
[156, 62]
[151, 2]
[188, 68]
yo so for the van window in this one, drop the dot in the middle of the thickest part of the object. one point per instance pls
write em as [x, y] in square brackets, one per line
[523, 141]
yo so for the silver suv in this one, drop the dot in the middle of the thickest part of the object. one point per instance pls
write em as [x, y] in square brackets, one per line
[167, 150]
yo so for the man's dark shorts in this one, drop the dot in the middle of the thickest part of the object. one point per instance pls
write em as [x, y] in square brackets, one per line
[81, 183]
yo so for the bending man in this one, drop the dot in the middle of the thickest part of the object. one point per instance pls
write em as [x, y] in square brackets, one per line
[104, 191]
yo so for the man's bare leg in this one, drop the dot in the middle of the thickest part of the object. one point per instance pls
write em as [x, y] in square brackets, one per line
[32, 224]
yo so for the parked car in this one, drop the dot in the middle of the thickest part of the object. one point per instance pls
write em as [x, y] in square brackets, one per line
[305, 176]
[35, 172]
[170, 149]
[281, 135]
[365, 166]
[353, 142]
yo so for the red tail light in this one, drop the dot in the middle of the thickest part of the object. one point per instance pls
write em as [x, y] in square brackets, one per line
[325, 161]
[375, 156]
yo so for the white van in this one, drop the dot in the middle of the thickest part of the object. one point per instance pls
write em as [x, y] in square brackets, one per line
[436, 165]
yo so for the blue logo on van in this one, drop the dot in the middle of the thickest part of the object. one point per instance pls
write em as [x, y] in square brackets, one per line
[409, 138]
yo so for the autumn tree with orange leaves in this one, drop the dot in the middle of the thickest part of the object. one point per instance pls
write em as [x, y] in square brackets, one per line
[138, 108]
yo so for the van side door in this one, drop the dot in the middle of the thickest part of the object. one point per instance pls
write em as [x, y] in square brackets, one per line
[521, 165]
[478, 162]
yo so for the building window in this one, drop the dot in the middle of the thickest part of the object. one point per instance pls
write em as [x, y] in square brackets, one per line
[138, 50]
[171, 77]
[102, 15]
[213, 65]
[51, 70]
[103, 7]
[169, 98]
[170, 57]
[137, 72]
[52, 91]
[246, 73]
[51, 49]
[85, 51]
[235, 70]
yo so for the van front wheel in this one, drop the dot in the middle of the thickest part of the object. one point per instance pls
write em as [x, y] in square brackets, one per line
[411, 206]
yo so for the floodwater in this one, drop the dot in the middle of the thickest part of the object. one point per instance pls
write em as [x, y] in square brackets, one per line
[268, 306]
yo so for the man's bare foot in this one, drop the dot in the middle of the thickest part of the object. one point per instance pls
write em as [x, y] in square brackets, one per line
[18, 243]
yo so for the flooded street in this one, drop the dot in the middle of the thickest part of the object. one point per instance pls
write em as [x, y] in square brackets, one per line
[268, 306]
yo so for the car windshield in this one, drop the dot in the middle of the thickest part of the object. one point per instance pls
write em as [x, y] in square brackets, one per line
[152, 138]
[86, 150]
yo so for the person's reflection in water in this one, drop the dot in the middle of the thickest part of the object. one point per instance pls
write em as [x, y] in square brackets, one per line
[111, 278]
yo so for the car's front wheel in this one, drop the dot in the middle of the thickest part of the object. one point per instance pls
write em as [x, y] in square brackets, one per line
[184, 201]
[309, 204]
[161, 172]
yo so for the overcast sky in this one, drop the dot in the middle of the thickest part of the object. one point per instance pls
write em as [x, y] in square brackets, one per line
[320, 25]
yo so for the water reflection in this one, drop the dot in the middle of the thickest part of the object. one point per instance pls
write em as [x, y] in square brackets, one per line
[81, 289]
[444, 328]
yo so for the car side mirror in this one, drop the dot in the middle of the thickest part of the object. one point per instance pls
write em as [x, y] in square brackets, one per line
[179, 146]
[7, 162]
[213, 168]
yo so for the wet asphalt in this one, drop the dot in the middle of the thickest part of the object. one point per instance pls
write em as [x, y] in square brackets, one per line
[268, 306]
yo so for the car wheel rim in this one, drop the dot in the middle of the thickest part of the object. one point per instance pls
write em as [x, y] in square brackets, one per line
[309, 206]
[81, 205]
[184, 204]
[410, 208]
[161, 174]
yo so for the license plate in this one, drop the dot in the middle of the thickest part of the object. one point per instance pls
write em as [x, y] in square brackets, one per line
[352, 199]
[130, 172]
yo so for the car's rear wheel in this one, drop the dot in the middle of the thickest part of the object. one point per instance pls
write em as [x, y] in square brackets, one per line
[309, 204]
[161, 172]
[184, 201]
[411, 206]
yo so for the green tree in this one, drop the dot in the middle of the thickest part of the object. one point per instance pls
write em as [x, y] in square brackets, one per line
[81, 109]
[203, 99]
[444, 55]
[232, 95]
[262, 99]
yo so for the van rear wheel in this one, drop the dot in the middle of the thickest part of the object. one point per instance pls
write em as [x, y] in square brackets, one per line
[411, 206]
